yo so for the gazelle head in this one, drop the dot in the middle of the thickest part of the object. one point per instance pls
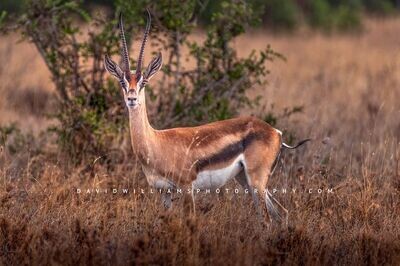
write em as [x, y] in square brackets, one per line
[133, 82]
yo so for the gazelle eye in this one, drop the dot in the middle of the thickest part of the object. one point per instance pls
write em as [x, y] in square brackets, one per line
[124, 85]
[140, 84]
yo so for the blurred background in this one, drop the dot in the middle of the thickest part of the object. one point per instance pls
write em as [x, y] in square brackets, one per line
[326, 69]
[275, 14]
[247, 45]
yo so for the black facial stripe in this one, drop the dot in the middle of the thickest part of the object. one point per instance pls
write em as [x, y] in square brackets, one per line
[123, 84]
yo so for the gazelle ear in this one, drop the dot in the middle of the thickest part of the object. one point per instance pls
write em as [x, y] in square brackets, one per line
[113, 68]
[116, 71]
[152, 69]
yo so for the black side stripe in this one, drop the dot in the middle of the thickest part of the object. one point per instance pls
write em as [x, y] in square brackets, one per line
[229, 152]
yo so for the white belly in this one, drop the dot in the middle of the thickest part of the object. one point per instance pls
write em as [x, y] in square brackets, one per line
[212, 179]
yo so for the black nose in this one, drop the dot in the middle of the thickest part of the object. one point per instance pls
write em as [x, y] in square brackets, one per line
[132, 98]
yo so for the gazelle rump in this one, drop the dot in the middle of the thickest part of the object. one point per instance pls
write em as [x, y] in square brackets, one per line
[202, 157]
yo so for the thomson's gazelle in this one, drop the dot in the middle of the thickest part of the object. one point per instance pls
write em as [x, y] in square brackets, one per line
[202, 157]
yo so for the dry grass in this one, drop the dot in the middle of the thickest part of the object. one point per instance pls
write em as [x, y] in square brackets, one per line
[350, 88]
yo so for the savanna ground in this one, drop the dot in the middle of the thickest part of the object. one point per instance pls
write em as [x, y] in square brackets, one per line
[349, 86]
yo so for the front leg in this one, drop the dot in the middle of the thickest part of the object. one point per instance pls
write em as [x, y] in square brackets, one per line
[158, 182]
[166, 199]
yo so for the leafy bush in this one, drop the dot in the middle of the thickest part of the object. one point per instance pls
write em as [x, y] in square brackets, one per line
[13, 141]
[320, 14]
[281, 14]
[334, 14]
[347, 18]
[91, 115]
[12, 6]
[379, 6]
[278, 14]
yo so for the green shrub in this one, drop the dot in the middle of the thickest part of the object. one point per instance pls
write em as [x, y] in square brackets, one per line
[281, 14]
[379, 6]
[346, 18]
[320, 14]
[12, 6]
[334, 15]
[13, 141]
[278, 14]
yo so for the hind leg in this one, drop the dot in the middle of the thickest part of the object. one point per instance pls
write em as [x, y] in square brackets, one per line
[257, 179]
[259, 158]
[278, 212]
[256, 188]
[242, 179]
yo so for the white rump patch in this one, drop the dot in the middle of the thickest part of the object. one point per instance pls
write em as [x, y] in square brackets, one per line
[213, 179]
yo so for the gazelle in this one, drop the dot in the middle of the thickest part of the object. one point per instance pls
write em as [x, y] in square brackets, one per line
[202, 157]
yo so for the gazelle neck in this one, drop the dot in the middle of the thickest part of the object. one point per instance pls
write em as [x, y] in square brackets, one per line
[142, 133]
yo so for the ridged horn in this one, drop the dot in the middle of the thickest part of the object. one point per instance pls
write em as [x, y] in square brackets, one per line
[141, 53]
[124, 51]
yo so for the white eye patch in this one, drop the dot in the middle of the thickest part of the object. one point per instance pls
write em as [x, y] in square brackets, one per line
[140, 83]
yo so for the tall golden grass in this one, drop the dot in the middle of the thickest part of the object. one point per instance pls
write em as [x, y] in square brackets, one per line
[349, 86]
